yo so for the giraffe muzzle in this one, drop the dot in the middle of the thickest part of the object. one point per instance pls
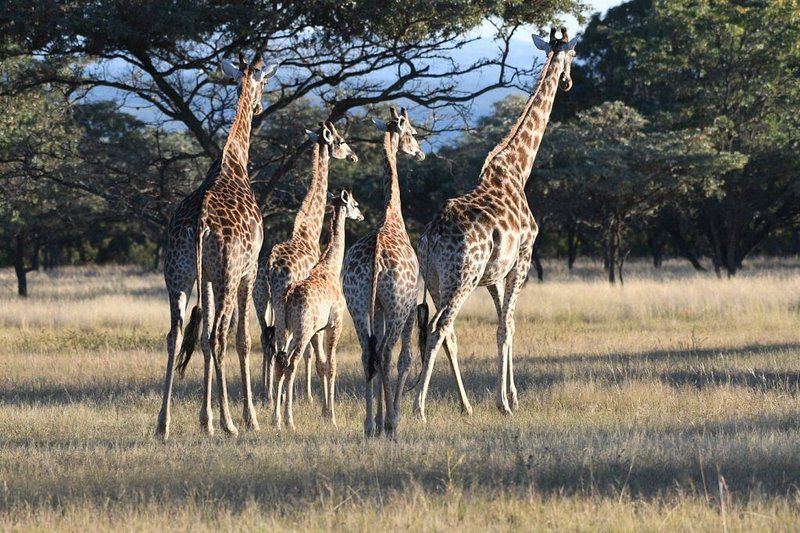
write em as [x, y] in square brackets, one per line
[353, 158]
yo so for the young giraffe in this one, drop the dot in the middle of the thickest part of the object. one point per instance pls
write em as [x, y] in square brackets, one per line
[485, 237]
[292, 260]
[228, 236]
[380, 284]
[180, 265]
[314, 306]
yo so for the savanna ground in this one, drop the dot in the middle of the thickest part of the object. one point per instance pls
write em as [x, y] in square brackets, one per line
[671, 403]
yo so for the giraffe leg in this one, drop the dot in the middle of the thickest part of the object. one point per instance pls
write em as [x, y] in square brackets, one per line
[289, 401]
[497, 293]
[377, 387]
[219, 344]
[360, 324]
[403, 366]
[319, 365]
[440, 328]
[334, 331]
[278, 403]
[177, 311]
[309, 368]
[206, 414]
[243, 350]
[506, 389]
[390, 336]
[451, 349]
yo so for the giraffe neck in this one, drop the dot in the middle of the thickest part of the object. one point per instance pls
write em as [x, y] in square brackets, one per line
[308, 223]
[513, 156]
[392, 210]
[237, 145]
[333, 256]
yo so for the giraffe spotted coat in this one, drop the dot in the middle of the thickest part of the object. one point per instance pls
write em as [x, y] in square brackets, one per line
[485, 237]
[380, 285]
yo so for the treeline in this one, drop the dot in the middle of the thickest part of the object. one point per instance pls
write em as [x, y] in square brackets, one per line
[679, 138]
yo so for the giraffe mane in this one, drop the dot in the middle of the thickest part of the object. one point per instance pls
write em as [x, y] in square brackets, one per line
[502, 145]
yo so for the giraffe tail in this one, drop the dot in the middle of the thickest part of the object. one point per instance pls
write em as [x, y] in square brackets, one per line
[190, 336]
[373, 361]
[422, 338]
[423, 314]
[192, 331]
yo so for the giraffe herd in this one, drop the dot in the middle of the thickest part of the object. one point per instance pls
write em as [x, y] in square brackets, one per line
[215, 240]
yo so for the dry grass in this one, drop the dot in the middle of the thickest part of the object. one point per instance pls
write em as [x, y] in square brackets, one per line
[637, 405]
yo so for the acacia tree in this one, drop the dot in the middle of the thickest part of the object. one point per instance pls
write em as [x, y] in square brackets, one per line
[344, 55]
[610, 165]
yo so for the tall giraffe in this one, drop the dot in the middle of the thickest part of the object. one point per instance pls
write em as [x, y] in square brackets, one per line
[293, 259]
[228, 235]
[315, 305]
[180, 263]
[485, 237]
[380, 283]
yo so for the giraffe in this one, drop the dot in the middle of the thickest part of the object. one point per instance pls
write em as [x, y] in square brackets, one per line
[227, 234]
[485, 237]
[380, 283]
[293, 259]
[180, 268]
[312, 306]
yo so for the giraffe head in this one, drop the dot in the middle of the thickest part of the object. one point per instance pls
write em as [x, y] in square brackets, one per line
[344, 199]
[401, 125]
[327, 134]
[255, 74]
[563, 52]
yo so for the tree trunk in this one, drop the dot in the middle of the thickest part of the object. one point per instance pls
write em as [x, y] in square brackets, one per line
[731, 262]
[683, 247]
[716, 247]
[612, 249]
[19, 266]
[572, 246]
[656, 245]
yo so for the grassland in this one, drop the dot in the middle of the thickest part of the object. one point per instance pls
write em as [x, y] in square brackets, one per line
[671, 403]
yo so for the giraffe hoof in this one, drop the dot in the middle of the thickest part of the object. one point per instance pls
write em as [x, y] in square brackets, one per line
[503, 408]
[162, 429]
[162, 434]
[466, 410]
[252, 425]
[231, 430]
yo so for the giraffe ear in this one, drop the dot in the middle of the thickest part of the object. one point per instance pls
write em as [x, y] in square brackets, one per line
[327, 134]
[312, 136]
[572, 42]
[541, 44]
[230, 70]
[381, 125]
[401, 124]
